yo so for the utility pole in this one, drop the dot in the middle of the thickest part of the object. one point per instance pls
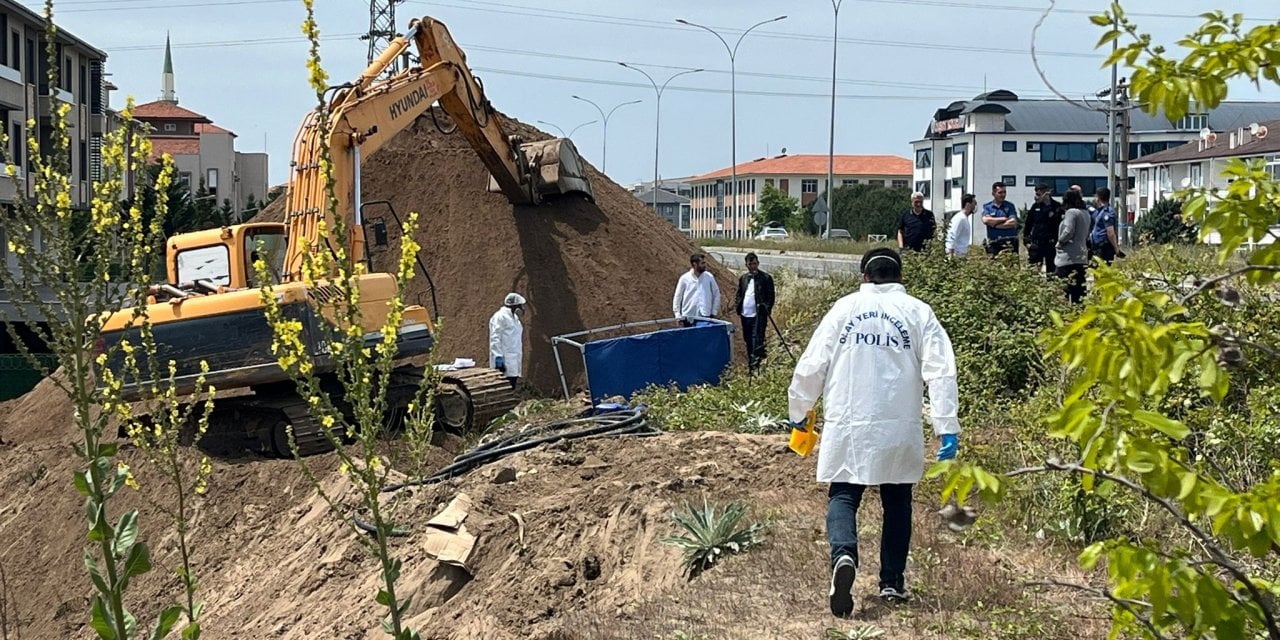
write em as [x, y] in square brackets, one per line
[831, 143]
[1112, 119]
[1122, 115]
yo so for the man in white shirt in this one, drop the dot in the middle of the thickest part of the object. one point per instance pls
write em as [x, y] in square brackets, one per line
[697, 295]
[960, 231]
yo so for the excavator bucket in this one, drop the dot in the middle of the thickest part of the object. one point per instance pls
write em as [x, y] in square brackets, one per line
[555, 169]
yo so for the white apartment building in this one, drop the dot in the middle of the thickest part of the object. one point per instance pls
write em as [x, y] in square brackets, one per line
[997, 137]
[800, 176]
[26, 95]
[1200, 163]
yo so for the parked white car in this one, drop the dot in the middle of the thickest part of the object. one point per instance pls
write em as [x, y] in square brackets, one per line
[772, 233]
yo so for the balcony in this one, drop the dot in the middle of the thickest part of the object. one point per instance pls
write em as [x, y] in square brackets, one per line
[13, 91]
[60, 95]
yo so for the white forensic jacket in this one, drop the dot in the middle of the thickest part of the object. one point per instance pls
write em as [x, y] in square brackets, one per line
[869, 359]
[506, 339]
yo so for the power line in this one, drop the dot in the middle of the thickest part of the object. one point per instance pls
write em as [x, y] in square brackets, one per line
[152, 7]
[594, 18]
[1010, 7]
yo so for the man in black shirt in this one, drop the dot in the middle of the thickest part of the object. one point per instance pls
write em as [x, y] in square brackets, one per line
[1040, 233]
[916, 225]
[755, 304]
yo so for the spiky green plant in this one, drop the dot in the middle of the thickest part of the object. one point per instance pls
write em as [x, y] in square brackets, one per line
[712, 534]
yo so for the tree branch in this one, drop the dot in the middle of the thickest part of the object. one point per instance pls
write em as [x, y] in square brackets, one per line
[1211, 546]
[1124, 603]
[1211, 282]
[1036, 61]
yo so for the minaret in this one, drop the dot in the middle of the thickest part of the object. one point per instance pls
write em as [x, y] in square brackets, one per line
[166, 79]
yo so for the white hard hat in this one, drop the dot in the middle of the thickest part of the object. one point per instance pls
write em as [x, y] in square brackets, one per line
[514, 299]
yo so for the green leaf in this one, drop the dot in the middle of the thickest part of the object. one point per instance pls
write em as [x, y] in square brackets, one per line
[100, 620]
[1101, 21]
[82, 483]
[191, 631]
[95, 572]
[130, 624]
[1163, 424]
[126, 534]
[384, 598]
[108, 449]
[164, 624]
[1091, 554]
[139, 561]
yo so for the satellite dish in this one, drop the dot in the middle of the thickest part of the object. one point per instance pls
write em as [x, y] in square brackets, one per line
[1253, 128]
[784, 151]
[1186, 182]
[1262, 132]
[1205, 133]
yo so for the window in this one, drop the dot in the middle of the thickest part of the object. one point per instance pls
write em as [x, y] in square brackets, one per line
[1193, 122]
[1165, 183]
[848, 183]
[206, 263]
[1009, 146]
[946, 157]
[1197, 175]
[169, 126]
[1059, 184]
[768, 182]
[809, 186]
[31, 61]
[924, 158]
[4, 44]
[83, 96]
[1144, 179]
[184, 178]
[211, 180]
[1068, 152]
[1009, 181]
[957, 183]
[923, 187]
[1139, 149]
[899, 184]
[876, 183]
[84, 161]
[1033, 147]
[1273, 167]
[19, 143]
[15, 50]
[64, 78]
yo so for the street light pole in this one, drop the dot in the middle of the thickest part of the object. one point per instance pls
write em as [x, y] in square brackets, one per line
[733, 102]
[657, 120]
[604, 143]
[571, 131]
[831, 145]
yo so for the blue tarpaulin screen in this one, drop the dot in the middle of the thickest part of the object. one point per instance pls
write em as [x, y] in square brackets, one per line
[683, 356]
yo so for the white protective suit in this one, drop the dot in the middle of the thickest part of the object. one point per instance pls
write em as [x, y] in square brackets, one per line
[869, 359]
[506, 339]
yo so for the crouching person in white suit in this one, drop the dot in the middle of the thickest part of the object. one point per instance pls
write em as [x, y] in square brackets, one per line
[870, 358]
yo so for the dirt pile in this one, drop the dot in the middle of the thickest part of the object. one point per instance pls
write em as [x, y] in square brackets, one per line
[568, 550]
[580, 264]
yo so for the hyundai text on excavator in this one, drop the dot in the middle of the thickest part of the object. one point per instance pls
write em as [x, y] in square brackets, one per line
[210, 309]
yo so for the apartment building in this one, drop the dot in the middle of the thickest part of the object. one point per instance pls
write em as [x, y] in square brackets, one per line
[998, 137]
[26, 94]
[802, 176]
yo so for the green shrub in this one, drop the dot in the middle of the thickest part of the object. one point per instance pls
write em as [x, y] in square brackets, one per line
[711, 535]
[1163, 224]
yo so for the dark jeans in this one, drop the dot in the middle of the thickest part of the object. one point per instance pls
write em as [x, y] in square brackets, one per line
[1106, 251]
[1001, 245]
[753, 334]
[895, 538]
[1038, 257]
[513, 381]
[1074, 275]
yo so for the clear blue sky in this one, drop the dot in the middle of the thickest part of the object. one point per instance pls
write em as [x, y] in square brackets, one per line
[241, 62]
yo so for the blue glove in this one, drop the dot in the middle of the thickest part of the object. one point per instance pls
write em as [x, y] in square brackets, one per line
[950, 446]
[500, 364]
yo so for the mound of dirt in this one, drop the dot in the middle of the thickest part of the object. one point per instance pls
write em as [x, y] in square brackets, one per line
[570, 549]
[43, 414]
[580, 264]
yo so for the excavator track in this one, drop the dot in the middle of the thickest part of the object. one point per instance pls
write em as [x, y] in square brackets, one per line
[469, 399]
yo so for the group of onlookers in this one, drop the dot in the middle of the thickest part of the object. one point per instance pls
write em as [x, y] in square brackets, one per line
[1061, 237]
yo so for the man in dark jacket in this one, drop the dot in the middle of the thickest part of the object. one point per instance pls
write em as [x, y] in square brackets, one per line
[754, 304]
[916, 225]
[1040, 233]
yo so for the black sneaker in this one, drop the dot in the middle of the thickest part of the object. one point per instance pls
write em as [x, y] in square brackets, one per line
[893, 595]
[841, 595]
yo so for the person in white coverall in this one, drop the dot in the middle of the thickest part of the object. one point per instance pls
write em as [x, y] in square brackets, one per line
[506, 338]
[870, 358]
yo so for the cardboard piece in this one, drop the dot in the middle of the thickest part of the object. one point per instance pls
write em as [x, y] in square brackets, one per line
[447, 540]
[454, 513]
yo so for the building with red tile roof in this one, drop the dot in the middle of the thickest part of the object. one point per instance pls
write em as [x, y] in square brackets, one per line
[203, 153]
[802, 176]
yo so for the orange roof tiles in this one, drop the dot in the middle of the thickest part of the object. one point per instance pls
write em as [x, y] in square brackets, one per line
[167, 111]
[209, 127]
[816, 164]
[174, 147]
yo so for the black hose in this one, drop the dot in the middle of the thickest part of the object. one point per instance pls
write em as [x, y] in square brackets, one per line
[628, 422]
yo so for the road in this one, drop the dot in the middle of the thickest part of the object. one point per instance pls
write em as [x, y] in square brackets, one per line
[805, 265]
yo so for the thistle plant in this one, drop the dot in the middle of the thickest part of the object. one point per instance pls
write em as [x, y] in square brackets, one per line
[711, 535]
[363, 410]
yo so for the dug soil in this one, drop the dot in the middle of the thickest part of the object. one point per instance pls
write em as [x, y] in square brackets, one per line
[580, 264]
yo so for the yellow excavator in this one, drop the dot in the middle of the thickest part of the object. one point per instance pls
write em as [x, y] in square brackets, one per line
[210, 311]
